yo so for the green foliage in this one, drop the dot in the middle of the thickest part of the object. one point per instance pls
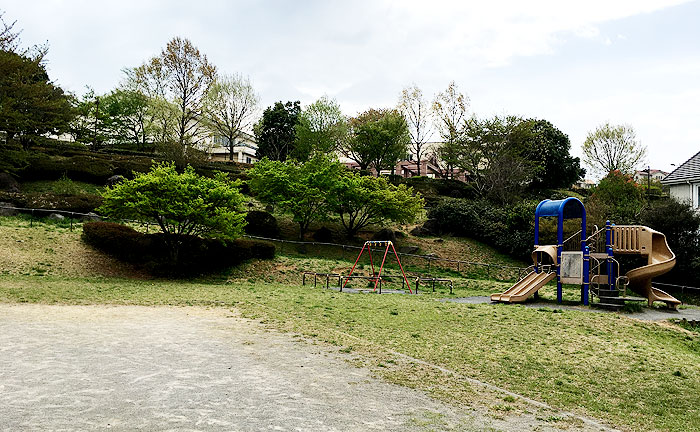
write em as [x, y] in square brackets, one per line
[298, 188]
[681, 225]
[151, 250]
[617, 198]
[613, 147]
[181, 204]
[548, 148]
[276, 131]
[380, 138]
[30, 104]
[322, 128]
[508, 228]
[362, 200]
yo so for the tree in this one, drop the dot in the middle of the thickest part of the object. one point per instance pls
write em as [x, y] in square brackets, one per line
[30, 104]
[450, 110]
[183, 76]
[276, 130]
[548, 148]
[417, 113]
[613, 147]
[231, 108]
[379, 139]
[491, 151]
[617, 198]
[127, 118]
[364, 200]
[301, 189]
[182, 204]
[322, 128]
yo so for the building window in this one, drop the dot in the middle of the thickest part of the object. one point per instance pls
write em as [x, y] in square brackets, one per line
[248, 160]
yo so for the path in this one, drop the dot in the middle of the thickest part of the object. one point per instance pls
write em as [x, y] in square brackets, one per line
[160, 368]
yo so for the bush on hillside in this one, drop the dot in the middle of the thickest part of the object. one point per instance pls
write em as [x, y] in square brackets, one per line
[151, 250]
[509, 229]
[82, 203]
[261, 224]
[681, 225]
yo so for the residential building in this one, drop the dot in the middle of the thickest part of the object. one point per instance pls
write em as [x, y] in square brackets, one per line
[244, 149]
[641, 177]
[684, 182]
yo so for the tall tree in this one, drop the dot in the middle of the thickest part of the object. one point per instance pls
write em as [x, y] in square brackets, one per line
[416, 110]
[450, 110]
[276, 130]
[613, 147]
[127, 118]
[322, 128]
[301, 189]
[379, 140]
[548, 148]
[184, 76]
[232, 105]
[30, 104]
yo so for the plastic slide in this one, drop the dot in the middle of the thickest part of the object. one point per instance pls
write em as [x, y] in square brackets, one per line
[661, 260]
[524, 288]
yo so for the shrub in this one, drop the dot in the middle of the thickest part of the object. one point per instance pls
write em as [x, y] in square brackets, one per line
[151, 250]
[616, 198]
[262, 224]
[510, 229]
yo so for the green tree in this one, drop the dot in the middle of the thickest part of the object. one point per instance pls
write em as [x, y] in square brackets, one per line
[301, 189]
[379, 139]
[364, 200]
[450, 111]
[126, 117]
[182, 76]
[276, 131]
[181, 204]
[231, 108]
[617, 198]
[322, 128]
[613, 147]
[548, 148]
[418, 115]
[30, 104]
[491, 150]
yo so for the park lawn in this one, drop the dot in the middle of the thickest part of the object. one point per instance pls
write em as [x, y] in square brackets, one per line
[633, 374]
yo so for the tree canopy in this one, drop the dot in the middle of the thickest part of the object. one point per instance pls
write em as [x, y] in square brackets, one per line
[180, 203]
[30, 104]
[322, 128]
[379, 139]
[613, 147]
[361, 200]
[418, 115]
[275, 132]
[301, 189]
[548, 148]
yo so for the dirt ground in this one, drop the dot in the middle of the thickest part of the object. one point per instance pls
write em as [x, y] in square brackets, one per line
[139, 368]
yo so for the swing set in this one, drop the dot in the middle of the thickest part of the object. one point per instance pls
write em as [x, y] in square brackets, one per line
[377, 277]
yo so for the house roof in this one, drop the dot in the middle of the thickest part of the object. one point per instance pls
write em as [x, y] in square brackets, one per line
[687, 171]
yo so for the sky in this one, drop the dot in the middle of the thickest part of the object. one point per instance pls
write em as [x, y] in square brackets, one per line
[575, 64]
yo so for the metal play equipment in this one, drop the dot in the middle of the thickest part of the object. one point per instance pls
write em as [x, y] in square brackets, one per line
[590, 262]
[377, 277]
[567, 267]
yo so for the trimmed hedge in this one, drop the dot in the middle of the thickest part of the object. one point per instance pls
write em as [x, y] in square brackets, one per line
[84, 203]
[261, 224]
[197, 255]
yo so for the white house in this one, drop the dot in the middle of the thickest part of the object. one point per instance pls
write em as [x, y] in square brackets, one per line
[641, 177]
[684, 182]
[244, 149]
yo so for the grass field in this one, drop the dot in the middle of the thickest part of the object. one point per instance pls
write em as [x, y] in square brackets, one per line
[635, 375]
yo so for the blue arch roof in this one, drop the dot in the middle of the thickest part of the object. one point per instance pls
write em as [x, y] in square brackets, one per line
[569, 208]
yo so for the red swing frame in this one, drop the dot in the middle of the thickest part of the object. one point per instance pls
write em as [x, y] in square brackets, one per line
[368, 245]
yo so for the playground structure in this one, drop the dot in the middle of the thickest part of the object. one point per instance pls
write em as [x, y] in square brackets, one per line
[590, 261]
[376, 277]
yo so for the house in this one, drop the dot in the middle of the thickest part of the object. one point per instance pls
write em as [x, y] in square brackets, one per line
[641, 177]
[244, 149]
[584, 184]
[684, 182]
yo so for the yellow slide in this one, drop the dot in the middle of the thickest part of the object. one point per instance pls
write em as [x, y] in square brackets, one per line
[631, 239]
[524, 288]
